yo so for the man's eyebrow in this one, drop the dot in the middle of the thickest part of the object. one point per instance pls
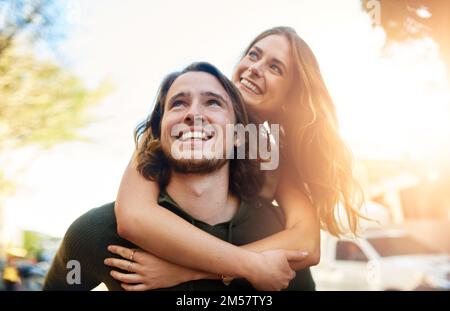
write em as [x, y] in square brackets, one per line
[178, 95]
[215, 95]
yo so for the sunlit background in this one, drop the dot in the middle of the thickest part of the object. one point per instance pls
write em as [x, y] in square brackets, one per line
[386, 64]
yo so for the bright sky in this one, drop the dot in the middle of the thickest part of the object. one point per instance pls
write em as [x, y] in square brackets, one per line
[380, 98]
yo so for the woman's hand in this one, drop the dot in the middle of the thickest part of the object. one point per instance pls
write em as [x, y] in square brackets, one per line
[147, 271]
[272, 270]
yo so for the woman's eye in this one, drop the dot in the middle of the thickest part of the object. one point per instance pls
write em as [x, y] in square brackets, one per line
[253, 55]
[276, 69]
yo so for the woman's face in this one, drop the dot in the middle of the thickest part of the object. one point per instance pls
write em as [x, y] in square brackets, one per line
[265, 75]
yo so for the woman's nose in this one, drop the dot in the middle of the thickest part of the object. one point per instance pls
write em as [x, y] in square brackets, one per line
[254, 70]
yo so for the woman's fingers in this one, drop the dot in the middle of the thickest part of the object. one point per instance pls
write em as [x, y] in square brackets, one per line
[137, 287]
[123, 264]
[131, 278]
[125, 252]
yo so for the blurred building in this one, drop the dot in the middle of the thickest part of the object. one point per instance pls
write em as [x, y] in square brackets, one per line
[412, 196]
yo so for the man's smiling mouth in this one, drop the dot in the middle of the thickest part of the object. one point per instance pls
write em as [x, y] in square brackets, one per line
[194, 135]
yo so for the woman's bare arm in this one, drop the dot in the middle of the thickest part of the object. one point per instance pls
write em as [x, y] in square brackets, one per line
[141, 220]
[155, 229]
[166, 235]
[150, 272]
[302, 230]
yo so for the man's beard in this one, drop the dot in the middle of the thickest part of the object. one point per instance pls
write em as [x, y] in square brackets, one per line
[193, 166]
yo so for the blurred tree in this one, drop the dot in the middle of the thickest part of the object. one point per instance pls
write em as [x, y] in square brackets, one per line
[32, 242]
[31, 19]
[37, 243]
[41, 104]
[413, 19]
[39, 101]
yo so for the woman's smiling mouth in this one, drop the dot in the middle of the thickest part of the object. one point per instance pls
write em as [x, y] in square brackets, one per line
[250, 86]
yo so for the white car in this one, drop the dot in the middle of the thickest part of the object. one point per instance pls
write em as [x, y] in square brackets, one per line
[380, 260]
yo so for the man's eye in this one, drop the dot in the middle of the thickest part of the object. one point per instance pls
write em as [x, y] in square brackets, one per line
[213, 102]
[276, 69]
[177, 103]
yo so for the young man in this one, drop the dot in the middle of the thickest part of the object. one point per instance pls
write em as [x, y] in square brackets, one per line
[213, 193]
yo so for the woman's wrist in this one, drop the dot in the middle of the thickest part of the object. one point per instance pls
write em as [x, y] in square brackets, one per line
[249, 266]
[245, 267]
[188, 275]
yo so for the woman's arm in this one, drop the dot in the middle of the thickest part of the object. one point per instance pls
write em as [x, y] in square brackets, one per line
[139, 217]
[142, 221]
[147, 271]
[302, 229]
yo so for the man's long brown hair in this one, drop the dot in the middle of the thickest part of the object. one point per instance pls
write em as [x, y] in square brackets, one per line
[314, 152]
[245, 178]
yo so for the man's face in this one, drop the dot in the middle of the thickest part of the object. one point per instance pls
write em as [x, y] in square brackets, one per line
[196, 112]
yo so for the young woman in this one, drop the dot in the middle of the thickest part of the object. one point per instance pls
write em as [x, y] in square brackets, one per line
[280, 81]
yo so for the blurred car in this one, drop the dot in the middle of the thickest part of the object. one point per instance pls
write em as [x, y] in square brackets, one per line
[381, 260]
[32, 275]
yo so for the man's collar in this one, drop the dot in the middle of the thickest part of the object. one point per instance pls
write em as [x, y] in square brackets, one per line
[165, 197]
[165, 200]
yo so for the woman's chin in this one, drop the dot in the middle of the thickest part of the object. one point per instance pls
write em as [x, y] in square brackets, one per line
[254, 105]
[251, 100]
[256, 111]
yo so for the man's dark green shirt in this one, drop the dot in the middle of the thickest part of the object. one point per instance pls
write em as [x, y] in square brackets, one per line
[87, 239]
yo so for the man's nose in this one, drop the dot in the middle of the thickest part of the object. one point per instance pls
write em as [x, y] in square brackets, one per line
[194, 115]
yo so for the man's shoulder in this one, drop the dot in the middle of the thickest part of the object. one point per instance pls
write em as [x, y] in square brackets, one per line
[263, 218]
[93, 224]
[85, 243]
[265, 209]
[103, 215]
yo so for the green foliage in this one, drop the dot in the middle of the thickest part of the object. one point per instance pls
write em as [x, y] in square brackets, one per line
[30, 19]
[40, 102]
[33, 242]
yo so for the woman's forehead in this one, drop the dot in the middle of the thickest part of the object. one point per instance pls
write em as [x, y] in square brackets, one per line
[276, 46]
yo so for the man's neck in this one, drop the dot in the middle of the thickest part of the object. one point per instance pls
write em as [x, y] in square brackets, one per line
[205, 197]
